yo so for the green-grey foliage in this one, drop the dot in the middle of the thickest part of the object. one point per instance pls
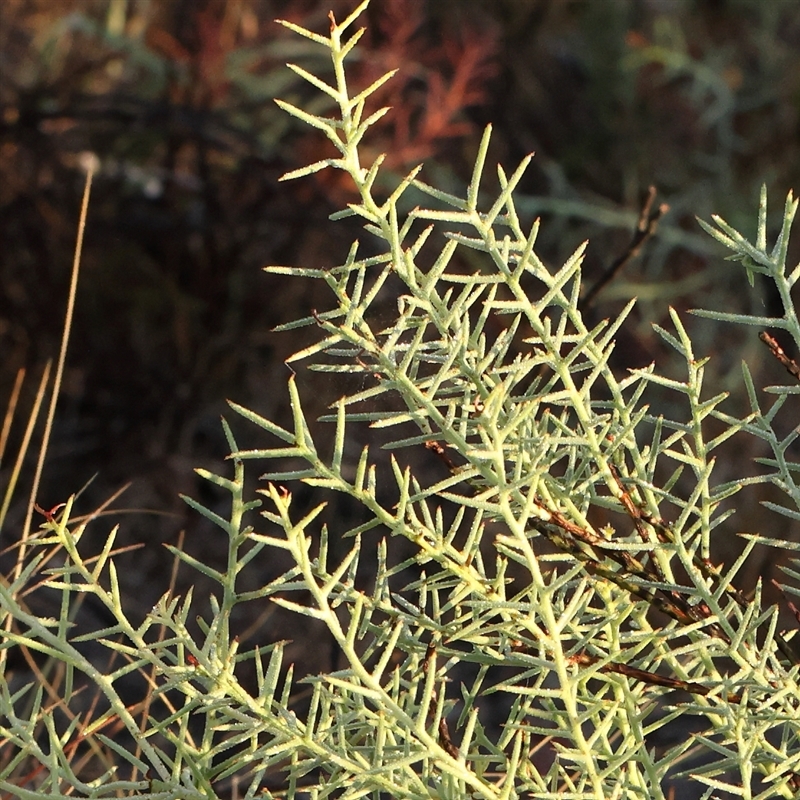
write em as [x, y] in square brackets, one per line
[561, 572]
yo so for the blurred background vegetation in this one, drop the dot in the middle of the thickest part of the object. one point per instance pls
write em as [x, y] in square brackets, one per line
[698, 98]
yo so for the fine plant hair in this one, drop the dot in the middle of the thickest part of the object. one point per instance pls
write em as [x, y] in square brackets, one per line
[560, 569]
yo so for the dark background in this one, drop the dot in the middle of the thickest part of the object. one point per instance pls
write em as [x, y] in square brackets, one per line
[175, 97]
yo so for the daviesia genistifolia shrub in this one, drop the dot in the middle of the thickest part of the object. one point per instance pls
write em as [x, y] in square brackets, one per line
[559, 628]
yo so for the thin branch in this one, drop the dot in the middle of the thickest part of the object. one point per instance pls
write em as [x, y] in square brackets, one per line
[645, 228]
[62, 356]
[791, 365]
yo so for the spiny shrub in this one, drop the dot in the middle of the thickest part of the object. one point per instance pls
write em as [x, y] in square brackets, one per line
[560, 574]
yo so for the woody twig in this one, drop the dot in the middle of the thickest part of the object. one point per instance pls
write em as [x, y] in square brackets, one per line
[791, 365]
[645, 228]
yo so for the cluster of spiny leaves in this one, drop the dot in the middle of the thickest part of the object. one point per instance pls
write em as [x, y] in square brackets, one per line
[540, 437]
